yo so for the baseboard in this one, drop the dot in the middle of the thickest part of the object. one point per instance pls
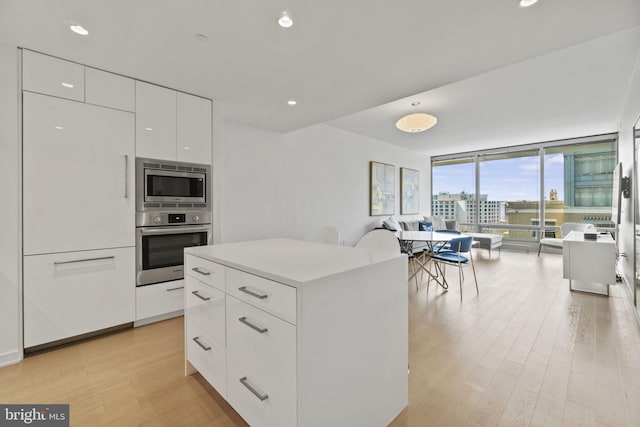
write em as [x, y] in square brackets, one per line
[158, 318]
[10, 358]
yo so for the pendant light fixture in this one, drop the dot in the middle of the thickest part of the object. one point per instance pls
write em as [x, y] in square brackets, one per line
[416, 122]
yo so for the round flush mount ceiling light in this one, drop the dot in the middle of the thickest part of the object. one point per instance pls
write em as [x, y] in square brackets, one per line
[78, 29]
[292, 102]
[285, 20]
[67, 85]
[416, 122]
[527, 3]
[201, 37]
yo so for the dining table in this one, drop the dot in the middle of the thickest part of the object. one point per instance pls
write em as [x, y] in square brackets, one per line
[434, 241]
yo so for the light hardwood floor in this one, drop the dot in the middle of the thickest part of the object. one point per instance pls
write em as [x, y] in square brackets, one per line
[526, 351]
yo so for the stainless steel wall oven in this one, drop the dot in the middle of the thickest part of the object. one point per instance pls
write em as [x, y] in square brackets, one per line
[173, 211]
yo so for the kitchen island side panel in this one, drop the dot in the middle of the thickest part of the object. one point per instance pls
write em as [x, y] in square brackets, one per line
[353, 346]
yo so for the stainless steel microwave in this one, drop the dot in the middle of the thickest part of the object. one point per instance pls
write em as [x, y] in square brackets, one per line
[168, 184]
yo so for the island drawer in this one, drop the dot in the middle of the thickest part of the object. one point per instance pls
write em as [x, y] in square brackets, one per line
[206, 307]
[270, 296]
[206, 271]
[257, 400]
[262, 342]
[208, 356]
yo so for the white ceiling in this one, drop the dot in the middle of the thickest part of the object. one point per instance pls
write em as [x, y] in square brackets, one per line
[488, 69]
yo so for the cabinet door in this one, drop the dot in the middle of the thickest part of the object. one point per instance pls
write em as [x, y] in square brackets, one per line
[70, 294]
[52, 76]
[155, 122]
[110, 90]
[160, 298]
[78, 189]
[194, 129]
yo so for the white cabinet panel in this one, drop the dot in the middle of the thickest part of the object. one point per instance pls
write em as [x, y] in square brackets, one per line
[206, 307]
[273, 297]
[207, 355]
[78, 188]
[252, 332]
[155, 122]
[158, 299]
[70, 294]
[110, 90]
[52, 76]
[206, 271]
[194, 129]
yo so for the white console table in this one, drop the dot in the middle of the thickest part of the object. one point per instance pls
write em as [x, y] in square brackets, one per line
[296, 333]
[592, 262]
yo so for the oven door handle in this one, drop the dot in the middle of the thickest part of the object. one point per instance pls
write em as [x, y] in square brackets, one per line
[176, 229]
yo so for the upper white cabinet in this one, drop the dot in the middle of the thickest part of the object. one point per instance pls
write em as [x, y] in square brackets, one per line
[172, 125]
[110, 90]
[52, 76]
[155, 122]
[78, 180]
[194, 129]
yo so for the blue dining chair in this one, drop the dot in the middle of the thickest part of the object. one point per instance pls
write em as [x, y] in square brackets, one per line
[460, 256]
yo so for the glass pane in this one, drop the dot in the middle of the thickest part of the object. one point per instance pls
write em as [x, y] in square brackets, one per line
[174, 186]
[168, 250]
[453, 190]
[510, 191]
[578, 183]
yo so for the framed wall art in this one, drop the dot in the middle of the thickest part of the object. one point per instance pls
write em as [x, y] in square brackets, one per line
[409, 191]
[382, 189]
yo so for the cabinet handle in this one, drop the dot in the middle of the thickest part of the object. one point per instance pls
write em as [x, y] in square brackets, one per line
[252, 326]
[259, 395]
[200, 296]
[253, 294]
[203, 272]
[204, 347]
[175, 289]
[126, 176]
[84, 260]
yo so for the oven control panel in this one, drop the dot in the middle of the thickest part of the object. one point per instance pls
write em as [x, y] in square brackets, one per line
[158, 218]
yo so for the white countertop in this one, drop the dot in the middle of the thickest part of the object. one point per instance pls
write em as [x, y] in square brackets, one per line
[292, 262]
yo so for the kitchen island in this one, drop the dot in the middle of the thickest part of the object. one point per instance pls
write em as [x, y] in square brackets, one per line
[299, 333]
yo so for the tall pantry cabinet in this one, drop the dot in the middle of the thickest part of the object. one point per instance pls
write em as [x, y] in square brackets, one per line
[78, 199]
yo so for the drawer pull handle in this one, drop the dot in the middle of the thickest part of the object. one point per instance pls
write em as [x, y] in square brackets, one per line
[259, 395]
[200, 296]
[84, 260]
[253, 294]
[252, 326]
[174, 289]
[203, 272]
[204, 347]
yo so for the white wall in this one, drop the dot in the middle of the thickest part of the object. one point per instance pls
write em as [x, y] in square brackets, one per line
[10, 267]
[628, 118]
[275, 185]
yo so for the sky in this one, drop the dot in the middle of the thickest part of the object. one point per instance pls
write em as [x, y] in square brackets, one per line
[504, 179]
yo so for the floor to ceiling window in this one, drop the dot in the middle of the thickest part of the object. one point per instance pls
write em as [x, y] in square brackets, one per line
[524, 192]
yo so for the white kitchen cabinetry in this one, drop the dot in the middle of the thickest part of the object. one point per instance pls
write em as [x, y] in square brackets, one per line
[52, 76]
[70, 294]
[110, 90]
[161, 299]
[172, 125]
[194, 129]
[155, 122]
[78, 180]
[315, 334]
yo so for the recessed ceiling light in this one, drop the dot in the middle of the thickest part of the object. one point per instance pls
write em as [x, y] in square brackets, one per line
[58, 127]
[285, 21]
[187, 148]
[69, 85]
[202, 37]
[78, 29]
[292, 102]
[148, 128]
[527, 3]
